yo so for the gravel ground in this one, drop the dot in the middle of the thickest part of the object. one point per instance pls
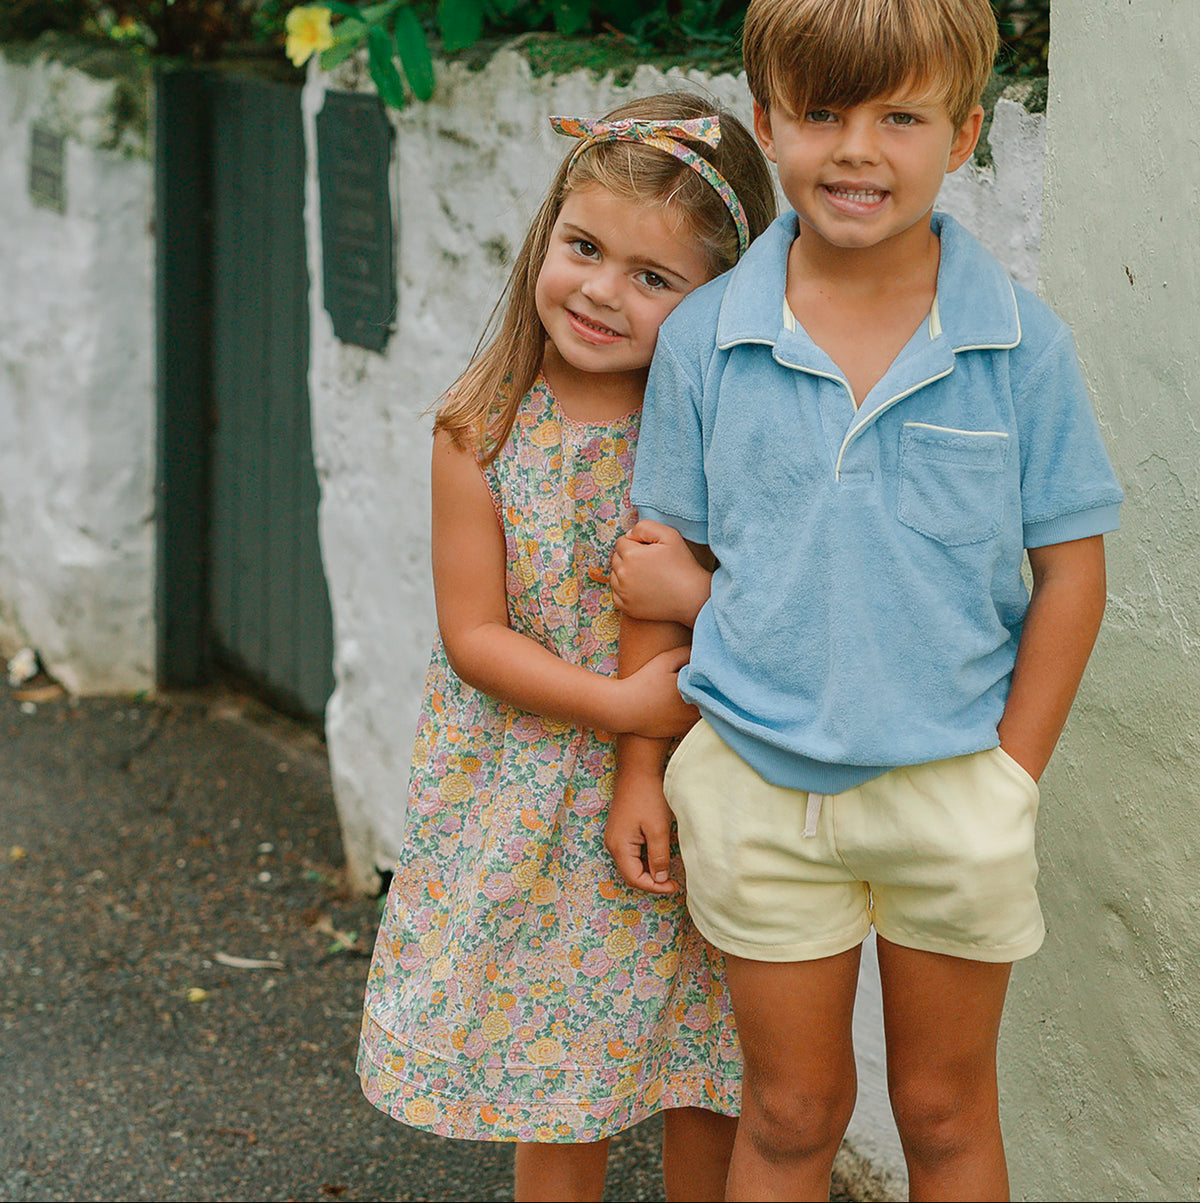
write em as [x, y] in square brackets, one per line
[148, 848]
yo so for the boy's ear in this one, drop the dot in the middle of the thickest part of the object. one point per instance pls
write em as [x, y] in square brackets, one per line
[762, 131]
[965, 140]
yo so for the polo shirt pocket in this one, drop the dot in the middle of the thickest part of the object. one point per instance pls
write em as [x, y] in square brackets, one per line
[952, 482]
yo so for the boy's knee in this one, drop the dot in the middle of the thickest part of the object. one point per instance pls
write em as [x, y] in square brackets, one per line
[937, 1120]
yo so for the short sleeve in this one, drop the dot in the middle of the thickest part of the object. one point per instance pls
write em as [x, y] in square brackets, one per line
[669, 485]
[1068, 487]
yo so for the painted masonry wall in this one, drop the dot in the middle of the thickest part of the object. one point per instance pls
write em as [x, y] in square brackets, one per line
[469, 168]
[76, 386]
[1102, 1038]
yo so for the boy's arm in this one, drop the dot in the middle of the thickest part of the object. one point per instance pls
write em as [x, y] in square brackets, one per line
[1061, 624]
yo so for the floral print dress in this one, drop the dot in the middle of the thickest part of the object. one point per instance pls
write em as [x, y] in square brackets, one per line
[519, 990]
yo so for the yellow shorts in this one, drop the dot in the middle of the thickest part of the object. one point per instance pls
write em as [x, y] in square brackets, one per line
[937, 856]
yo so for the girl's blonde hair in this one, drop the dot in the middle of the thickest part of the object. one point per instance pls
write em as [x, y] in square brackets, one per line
[803, 53]
[481, 406]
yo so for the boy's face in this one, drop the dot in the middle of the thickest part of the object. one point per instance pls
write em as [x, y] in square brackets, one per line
[861, 176]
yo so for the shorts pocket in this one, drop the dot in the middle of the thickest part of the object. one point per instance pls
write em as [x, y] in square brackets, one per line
[678, 754]
[952, 482]
[1015, 768]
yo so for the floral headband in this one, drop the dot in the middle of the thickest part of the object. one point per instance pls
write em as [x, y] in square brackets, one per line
[664, 135]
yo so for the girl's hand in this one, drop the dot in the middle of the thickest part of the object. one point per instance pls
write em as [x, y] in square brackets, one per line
[650, 700]
[638, 833]
[655, 576]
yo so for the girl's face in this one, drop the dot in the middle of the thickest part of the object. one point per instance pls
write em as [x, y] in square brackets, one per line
[614, 269]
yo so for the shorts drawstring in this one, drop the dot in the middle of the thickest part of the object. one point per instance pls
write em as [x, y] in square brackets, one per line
[812, 812]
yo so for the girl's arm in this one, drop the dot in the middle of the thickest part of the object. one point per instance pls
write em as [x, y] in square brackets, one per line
[472, 610]
[656, 575]
[1061, 624]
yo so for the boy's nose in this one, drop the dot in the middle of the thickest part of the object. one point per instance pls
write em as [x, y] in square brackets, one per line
[859, 144]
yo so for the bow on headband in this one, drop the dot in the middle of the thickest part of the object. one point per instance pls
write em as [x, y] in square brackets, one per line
[664, 135]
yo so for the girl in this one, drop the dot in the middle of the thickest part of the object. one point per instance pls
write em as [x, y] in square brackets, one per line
[520, 991]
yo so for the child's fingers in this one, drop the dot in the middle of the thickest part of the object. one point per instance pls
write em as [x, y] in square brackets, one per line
[658, 856]
[628, 856]
[645, 530]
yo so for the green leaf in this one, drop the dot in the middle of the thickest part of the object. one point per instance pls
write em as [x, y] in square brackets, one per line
[570, 16]
[346, 38]
[383, 69]
[345, 10]
[414, 54]
[375, 14]
[461, 22]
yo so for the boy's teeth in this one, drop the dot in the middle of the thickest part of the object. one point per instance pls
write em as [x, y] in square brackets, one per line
[862, 195]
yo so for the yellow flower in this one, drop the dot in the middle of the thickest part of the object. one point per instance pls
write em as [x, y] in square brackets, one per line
[606, 472]
[455, 787]
[495, 1026]
[420, 1111]
[308, 32]
[544, 891]
[607, 625]
[620, 943]
[544, 1051]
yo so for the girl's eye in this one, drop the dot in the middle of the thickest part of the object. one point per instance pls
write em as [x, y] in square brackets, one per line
[653, 280]
[589, 250]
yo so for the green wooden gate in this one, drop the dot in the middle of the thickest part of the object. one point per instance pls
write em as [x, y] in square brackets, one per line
[241, 583]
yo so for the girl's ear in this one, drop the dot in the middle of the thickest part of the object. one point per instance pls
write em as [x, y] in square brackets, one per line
[762, 131]
[966, 139]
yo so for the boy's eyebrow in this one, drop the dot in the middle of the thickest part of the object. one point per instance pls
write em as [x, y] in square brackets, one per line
[652, 264]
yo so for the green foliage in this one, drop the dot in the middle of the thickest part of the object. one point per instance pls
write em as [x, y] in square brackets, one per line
[400, 33]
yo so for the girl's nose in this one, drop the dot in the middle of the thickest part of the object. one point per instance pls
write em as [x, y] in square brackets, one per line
[601, 286]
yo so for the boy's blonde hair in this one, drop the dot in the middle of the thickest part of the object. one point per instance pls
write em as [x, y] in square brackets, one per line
[804, 53]
[480, 408]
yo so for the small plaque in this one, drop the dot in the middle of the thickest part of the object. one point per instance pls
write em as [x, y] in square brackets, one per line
[354, 149]
[47, 169]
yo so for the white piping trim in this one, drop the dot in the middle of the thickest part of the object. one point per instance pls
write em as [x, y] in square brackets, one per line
[757, 342]
[1000, 434]
[935, 319]
[879, 409]
[998, 346]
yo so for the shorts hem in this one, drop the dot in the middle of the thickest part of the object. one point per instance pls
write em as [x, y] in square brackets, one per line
[993, 954]
[807, 950]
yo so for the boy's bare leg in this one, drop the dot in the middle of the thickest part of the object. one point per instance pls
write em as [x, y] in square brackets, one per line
[697, 1145]
[795, 1023]
[942, 1020]
[557, 1173]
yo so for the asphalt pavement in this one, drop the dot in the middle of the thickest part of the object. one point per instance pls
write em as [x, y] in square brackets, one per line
[182, 968]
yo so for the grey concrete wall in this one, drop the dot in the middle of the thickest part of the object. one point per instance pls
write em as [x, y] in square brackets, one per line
[1102, 1038]
[77, 380]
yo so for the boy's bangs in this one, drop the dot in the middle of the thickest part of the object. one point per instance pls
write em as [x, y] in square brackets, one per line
[843, 71]
[800, 54]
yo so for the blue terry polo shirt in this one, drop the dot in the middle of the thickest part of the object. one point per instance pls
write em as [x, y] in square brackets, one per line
[869, 599]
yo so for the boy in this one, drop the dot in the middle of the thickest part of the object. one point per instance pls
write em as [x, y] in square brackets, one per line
[869, 426]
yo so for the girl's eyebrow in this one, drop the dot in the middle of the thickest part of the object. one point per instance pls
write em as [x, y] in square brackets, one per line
[569, 227]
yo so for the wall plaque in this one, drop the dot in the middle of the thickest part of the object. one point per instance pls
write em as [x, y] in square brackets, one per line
[354, 148]
[47, 168]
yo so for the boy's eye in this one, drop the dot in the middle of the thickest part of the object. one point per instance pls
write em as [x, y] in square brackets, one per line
[821, 116]
[903, 119]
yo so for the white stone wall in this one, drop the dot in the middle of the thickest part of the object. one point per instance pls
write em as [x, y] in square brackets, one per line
[1102, 1036]
[469, 169]
[76, 386]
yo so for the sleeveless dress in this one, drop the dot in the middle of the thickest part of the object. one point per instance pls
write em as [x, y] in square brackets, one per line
[519, 990]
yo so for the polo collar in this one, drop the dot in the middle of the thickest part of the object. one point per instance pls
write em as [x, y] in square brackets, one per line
[976, 304]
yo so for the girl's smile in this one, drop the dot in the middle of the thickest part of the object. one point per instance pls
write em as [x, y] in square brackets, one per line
[614, 269]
